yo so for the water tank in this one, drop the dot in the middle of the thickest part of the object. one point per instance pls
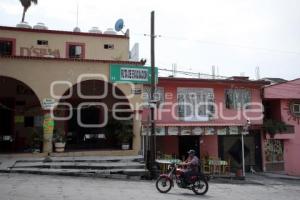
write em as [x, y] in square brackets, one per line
[23, 25]
[40, 26]
[76, 29]
[110, 31]
[95, 30]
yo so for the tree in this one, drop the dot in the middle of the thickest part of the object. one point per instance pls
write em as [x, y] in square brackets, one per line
[26, 4]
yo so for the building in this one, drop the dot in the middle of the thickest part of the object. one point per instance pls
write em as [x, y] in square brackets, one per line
[208, 115]
[81, 75]
[282, 104]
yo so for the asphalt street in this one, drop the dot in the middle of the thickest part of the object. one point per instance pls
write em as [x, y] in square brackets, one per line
[42, 187]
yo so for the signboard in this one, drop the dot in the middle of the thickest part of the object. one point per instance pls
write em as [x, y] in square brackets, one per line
[19, 119]
[48, 103]
[160, 131]
[233, 130]
[197, 131]
[173, 130]
[222, 131]
[186, 131]
[131, 73]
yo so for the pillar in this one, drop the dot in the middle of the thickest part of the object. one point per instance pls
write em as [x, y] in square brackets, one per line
[136, 144]
[48, 126]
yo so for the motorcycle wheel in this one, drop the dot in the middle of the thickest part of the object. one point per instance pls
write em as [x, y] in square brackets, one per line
[163, 184]
[200, 187]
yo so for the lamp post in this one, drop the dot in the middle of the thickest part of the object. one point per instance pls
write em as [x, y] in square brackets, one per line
[245, 131]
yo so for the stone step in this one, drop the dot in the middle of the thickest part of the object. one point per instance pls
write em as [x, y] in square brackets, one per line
[94, 159]
[80, 165]
[112, 173]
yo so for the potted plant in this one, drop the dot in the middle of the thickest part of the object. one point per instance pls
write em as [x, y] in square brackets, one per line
[125, 134]
[273, 127]
[59, 140]
[35, 140]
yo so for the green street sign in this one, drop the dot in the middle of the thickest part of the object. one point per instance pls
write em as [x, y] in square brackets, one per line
[131, 73]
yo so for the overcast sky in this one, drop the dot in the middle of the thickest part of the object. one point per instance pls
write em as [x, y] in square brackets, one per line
[234, 35]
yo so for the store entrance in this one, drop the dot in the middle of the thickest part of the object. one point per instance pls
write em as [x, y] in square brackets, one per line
[186, 143]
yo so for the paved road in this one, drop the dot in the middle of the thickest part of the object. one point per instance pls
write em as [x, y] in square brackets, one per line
[39, 187]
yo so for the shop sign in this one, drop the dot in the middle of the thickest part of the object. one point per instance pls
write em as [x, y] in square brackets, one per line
[197, 131]
[222, 131]
[210, 131]
[160, 131]
[173, 130]
[233, 130]
[186, 131]
[132, 74]
[39, 52]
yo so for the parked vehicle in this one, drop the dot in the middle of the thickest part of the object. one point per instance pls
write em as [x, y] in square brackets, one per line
[197, 182]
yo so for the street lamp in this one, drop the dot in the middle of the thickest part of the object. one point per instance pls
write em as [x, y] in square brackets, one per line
[245, 131]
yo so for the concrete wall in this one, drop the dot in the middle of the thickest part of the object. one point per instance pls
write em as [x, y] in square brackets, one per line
[26, 44]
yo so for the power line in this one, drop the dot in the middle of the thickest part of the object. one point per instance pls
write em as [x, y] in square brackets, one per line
[226, 44]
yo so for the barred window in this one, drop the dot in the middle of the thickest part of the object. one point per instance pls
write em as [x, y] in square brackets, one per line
[237, 98]
[195, 104]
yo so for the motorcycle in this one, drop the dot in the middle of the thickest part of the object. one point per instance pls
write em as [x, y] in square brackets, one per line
[198, 182]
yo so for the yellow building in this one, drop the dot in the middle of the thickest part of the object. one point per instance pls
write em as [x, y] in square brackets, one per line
[70, 83]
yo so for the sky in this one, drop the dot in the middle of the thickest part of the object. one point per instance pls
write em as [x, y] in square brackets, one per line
[235, 36]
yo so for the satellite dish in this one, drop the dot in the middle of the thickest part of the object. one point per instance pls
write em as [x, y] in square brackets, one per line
[119, 25]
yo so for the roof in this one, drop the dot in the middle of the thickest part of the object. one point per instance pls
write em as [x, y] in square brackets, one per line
[74, 60]
[275, 80]
[285, 90]
[199, 80]
[8, 28]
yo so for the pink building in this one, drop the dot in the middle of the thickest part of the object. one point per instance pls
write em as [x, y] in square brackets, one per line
[209, 115]
[282, 104]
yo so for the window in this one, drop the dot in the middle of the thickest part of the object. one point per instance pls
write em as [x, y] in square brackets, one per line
[6, 47]
[42, 42]
[237, 98]
[195, 104]
[109, 46]
[75, 50]
[296, 108]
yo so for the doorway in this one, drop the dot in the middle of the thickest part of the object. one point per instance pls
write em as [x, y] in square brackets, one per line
[187, 143]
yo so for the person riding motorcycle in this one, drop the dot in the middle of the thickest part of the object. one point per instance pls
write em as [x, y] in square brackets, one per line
[191, 166]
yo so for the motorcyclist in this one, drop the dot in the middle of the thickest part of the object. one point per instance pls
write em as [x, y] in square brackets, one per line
[191, 165]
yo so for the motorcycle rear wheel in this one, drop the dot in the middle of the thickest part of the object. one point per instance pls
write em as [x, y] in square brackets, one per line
[163, 184]
[200, 187]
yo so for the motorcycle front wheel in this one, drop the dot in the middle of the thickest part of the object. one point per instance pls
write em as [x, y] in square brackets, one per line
[163, 184]
[200, 187]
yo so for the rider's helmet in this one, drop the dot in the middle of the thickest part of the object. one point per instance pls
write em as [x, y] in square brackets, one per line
[191, 152]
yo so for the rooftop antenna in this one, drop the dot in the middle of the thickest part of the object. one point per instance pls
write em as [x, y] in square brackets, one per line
[77, 14]
[257, 73]
[77, 29]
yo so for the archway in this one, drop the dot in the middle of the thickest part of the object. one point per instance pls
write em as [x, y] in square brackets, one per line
[20, 117]
[91, 125]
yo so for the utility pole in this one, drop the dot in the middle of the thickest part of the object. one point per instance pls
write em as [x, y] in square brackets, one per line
[152, 148]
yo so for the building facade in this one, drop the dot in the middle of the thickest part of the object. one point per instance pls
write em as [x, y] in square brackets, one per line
[70, 81]
[282, 104]
[209, 116]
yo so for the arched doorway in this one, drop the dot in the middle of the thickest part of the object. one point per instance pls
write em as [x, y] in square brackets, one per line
[91, 124]
[20, 117]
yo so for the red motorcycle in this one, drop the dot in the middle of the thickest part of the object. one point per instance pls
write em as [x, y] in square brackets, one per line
[197, 182]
